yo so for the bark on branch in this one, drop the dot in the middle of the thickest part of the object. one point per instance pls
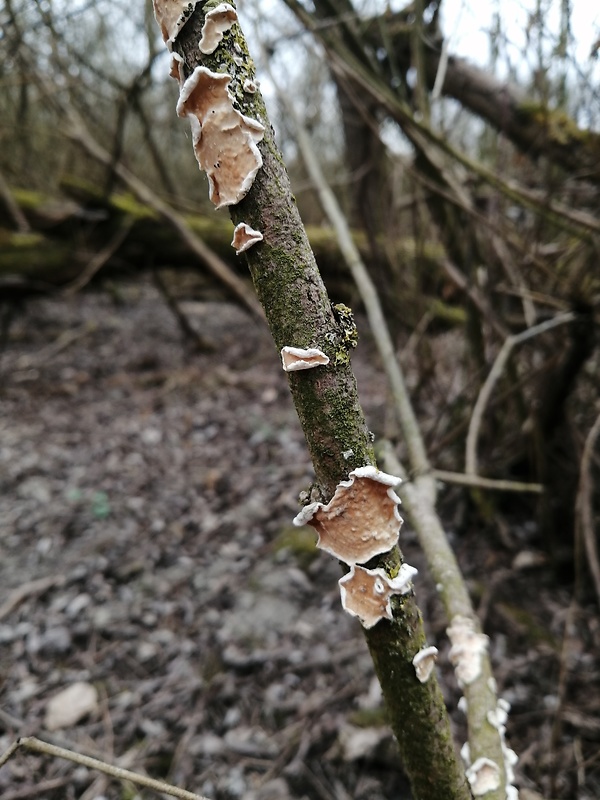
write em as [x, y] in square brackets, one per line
[300, 314]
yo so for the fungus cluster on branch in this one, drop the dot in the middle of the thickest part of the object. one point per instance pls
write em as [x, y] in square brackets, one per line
[225, 140]
[362, 521]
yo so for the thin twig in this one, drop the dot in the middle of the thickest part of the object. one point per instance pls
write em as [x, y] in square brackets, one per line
[13, 208]
[24, 591]
[202, 344]
[62, 341]
[38, 746]
[585, 505]
[491, 380]
[460, 479]
[78, 133]
[99, 259]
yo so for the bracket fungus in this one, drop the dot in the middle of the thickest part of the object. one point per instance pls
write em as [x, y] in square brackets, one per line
[224, 139]
[217, 22]
[467, 648]
[366, 593]
[244, 237]
[483, 776]
[361, 520]
[171, 16]
[297, 358]
[424, 662]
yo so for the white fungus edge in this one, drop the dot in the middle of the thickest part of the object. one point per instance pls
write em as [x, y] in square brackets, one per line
[424, 662]
[468, 645]
[168, 23]
[244, 237]
[483, 776]
[294, 359]
[401, 584]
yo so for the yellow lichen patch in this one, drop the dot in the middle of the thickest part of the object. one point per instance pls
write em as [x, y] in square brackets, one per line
[224, 139]
[424, 662]
[361, 520]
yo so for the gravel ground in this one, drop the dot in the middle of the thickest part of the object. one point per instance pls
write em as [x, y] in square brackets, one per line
[148, 558]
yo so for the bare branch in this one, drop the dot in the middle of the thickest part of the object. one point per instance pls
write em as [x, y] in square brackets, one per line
[585, 506]
[497, 368]
[38, 746]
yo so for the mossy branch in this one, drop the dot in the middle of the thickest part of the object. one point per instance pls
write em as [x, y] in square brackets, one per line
[300, 314]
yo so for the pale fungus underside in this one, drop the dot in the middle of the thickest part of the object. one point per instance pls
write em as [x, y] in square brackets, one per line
[467, 648]
[424, 662]
[361, 521]
[171, 16]
[294, 359]
[483, 776]
[367, 593]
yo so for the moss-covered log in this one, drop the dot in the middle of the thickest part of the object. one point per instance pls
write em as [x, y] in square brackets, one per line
[68, 230]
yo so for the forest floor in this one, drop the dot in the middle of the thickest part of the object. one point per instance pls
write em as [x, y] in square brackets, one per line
[146, 549]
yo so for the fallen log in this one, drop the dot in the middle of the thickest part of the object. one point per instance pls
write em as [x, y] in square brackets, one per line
[67, 231]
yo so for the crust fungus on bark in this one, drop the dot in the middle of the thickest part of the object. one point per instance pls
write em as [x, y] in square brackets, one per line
[424, 662]
[298, 309]
[367, 593]
[224, 139]
[171, 16]
[361, 520]
[216, 22]
[244, 237]
[176, 70]
[294, 359]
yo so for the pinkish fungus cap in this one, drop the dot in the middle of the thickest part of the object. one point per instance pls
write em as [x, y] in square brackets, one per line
[171, 16]
[224, 139]
[361, 520]
[176, 70]
[244, 237]
[366, 593]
